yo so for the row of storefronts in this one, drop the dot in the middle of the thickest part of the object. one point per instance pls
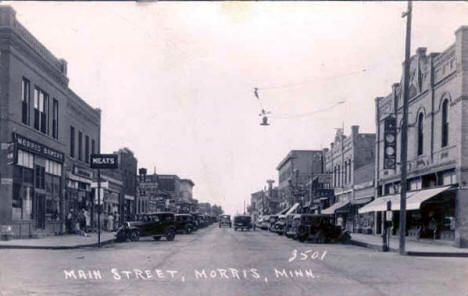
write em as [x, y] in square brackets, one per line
[47, 134]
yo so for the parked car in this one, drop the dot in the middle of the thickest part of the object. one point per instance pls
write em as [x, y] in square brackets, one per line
[271, 222]
[225, 220]
[288, 223]
[161, 224]
[292, 230]
[265, 222]
[243, 222]
[320, 228]
[280, 225]
[259, 222]
[184, 223]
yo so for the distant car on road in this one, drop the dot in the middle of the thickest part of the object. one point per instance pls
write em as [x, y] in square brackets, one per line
[243, 222]
[225, 220]
[161, 224]
[184, 223]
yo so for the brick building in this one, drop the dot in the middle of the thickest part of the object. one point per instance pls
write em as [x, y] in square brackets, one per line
[46, 133]
[128, 168]
[293, 172]
[350, 162]
[437, 201]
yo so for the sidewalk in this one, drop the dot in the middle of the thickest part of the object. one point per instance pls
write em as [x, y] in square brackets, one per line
[413, 247]
[68, 241]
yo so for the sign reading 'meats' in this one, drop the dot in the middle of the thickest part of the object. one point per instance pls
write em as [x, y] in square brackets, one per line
[104, 161]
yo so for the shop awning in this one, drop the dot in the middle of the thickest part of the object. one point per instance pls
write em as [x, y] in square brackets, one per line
[361, 201]
[413, 200]
[414, 203]
[380, 204]
[292, 209]
[334, 207]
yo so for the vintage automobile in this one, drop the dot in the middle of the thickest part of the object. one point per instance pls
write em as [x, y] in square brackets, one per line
[319, 228]
[243, 222]
[225, 220]
[293, 222]
[184, 223]
[288, 224]
[280, 224]
[259, 222]
[265, 222]
[271, 222]
[160, 224]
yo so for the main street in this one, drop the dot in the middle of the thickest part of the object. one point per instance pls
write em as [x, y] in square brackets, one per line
[214, 261]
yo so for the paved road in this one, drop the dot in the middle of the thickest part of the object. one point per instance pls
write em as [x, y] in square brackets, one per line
[222, 262]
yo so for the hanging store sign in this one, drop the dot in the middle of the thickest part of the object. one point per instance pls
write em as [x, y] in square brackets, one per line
[104, 161]
[36, 148]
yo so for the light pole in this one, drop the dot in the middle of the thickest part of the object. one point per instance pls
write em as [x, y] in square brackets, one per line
[404, 131]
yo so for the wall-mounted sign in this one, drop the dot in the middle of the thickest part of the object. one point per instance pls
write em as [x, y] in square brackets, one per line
[36, 148]
[104, 161]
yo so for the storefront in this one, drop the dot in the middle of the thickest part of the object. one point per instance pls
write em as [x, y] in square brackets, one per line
[429, 212]
[37, 188]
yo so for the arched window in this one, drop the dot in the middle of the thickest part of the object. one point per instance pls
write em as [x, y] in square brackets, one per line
[445, 123]
[420, 133]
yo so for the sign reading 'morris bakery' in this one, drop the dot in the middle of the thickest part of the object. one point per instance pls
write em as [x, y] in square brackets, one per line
[37, 148]
[104, 161]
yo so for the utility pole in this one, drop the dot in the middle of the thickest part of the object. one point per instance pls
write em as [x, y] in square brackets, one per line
[404, 131]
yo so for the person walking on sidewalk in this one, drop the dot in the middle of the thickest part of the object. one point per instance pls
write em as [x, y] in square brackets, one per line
[87, 220]
[110, 222]
[69, 222]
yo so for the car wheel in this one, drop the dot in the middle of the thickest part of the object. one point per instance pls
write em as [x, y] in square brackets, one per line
[156, 238]
[134, 236]
[170, 235]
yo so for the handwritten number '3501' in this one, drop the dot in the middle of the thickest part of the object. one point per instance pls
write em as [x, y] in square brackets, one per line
[307, 255]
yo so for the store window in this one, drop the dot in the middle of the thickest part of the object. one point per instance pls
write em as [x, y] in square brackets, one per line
[22, 193]
[25, 159]
[52, 184]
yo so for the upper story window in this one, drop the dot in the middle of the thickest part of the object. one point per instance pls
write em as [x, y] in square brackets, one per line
[86, 149]
[420, 133]
[55, 119]
[445, 124]
[25, 100]
[72, 141]
[93, 147]
[41, 108]
[80, 146]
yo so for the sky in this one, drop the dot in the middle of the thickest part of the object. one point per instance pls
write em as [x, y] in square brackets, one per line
[175, 80]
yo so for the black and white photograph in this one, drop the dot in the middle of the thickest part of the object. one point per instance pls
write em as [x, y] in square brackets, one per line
[234, 148]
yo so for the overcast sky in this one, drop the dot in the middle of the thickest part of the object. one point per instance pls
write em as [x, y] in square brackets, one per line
[175, 79]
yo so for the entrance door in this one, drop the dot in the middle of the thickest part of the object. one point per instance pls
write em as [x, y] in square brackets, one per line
[40, 211]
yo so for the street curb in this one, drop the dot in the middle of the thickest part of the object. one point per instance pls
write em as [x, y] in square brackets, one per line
[411, 253]
[103, 243]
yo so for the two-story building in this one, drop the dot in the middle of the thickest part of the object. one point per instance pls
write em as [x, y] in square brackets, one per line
[350, 162]
[47, 133]
[437, 200]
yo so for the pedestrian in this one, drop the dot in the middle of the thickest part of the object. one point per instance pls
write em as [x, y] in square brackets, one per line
[110, 222]
[69, 221]
[87, 220]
